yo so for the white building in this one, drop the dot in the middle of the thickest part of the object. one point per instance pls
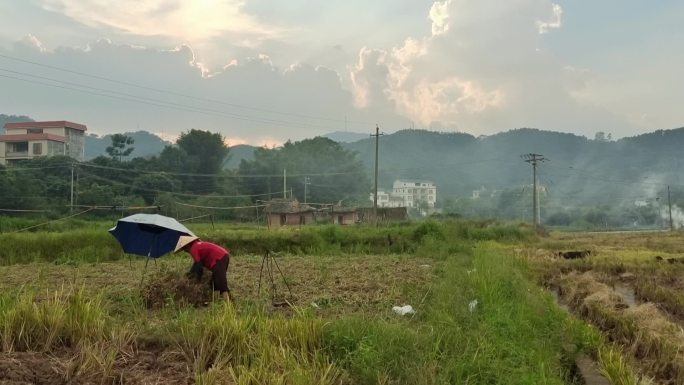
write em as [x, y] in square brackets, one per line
[408, 193]
[27, 140]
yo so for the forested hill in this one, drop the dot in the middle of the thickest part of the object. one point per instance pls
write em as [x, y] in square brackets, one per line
[578, 167]
[146, 144]
[11, 119]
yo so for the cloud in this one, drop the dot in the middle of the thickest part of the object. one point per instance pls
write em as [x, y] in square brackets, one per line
[190, 21]
[481, 70]
[439, 15]
[166, 91]
[554, 22]
[218, 30]
[369, 77]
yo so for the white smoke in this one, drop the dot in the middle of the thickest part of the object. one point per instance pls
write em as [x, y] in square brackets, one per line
[677, 217]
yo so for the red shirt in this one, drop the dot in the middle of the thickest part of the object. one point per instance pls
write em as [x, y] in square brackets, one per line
[206, 252]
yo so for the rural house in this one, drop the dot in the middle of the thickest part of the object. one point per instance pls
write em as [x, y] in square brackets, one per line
[408, 193]
[288, 212]
[345, 215]
[27, 140]
[385, 214]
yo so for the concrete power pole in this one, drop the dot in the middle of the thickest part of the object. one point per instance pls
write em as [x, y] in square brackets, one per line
[375, 194]
[72, 188]
[284, 184]
[669, 203]
[535, 159]
[307, 182]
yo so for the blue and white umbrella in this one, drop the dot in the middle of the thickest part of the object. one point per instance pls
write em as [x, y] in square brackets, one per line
[150, 235]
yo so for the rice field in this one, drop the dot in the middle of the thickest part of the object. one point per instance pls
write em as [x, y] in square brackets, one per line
[75, 310]
[630, 287]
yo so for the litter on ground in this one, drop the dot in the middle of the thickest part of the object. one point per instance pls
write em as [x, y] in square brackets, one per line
[472, 305]
[403, 310]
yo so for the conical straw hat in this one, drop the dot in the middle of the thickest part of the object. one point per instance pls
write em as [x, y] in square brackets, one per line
[183, 241]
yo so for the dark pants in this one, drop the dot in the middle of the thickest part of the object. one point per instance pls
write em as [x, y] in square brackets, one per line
[219, 275]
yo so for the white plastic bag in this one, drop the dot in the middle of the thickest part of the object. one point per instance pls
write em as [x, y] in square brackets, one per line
[403, 310]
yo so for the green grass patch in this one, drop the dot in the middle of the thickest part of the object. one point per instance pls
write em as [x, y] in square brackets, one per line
[485, 322]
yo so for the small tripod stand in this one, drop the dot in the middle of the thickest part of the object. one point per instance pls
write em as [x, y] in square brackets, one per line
[269, 261]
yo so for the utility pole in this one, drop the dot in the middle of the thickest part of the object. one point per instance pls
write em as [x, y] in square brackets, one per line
[660, 213]
[375, 194]
[306, 183]
[535, 159]
[72, 188]
[284, 183]
[669, 203]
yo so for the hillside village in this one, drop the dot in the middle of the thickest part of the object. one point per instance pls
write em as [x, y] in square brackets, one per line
[483, 186]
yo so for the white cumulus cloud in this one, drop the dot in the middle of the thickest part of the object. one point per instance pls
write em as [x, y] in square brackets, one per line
[480, 70]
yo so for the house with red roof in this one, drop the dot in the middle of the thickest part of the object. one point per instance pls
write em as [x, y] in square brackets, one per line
[27, 140]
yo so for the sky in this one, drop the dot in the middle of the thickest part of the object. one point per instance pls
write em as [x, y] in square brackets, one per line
[264, 71]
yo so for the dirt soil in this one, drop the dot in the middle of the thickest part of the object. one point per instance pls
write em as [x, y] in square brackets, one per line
[144, 367]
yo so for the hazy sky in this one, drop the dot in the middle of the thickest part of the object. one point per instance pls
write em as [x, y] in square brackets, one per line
[263, 71]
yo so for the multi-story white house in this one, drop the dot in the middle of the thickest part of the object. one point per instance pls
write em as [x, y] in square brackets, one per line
[415, 191]
[408, 193]
[27, 140]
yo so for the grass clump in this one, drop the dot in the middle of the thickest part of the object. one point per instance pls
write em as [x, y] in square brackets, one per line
[251, 348]
[64, 318]
[68, 321]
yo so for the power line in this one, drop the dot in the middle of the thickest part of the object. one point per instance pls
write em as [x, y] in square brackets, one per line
[219, 208]
[176, 193]
[170, 92]
[8, 169]
[220, 175]
[151, 101]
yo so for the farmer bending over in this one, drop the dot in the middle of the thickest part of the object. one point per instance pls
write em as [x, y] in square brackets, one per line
[211, 256]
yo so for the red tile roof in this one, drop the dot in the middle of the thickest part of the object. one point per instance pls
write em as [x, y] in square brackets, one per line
[50, 124]
[26, 137]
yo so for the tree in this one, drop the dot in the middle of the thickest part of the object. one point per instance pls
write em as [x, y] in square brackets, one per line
[149, 186]
[206, 150]
[335, 174]
[120, 146]
[198, 152]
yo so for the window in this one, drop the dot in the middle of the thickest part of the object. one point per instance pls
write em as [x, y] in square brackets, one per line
[37, 148]
[34, 130]
[21, 147]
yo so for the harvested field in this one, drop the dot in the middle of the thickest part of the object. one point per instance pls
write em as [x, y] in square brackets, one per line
[140, 368]
[631, 287]
[477, 315]
[335, 284]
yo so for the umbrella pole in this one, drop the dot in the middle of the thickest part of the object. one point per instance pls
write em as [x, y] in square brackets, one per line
[144, 271]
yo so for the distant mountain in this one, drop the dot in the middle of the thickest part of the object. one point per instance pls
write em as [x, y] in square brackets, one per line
[345, 136]
[237, 154]
[146, 144]
[577, 168]
[11, 119]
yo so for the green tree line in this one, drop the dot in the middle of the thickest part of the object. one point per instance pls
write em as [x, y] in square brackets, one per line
[188, 174]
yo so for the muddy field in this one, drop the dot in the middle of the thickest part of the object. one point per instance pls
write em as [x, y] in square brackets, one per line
[629, 286]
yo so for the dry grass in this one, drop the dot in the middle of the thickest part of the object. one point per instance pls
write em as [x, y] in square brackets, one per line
[647, 334]
[337, 284]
